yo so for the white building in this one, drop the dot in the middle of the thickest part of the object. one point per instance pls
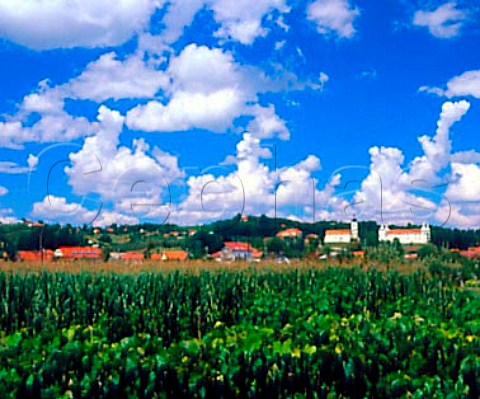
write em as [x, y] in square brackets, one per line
[342, 236]
[420, 235]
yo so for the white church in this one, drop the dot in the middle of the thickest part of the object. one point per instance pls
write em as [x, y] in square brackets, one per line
[342, 236]
[405, 236]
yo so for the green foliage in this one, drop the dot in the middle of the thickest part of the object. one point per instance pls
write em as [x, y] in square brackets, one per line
[427, 251]
[204, 242]
[105, 238]
[276, 245]
[335, 333]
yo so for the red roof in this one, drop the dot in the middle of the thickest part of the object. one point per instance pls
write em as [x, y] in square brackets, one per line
[360, 254]
[293, 232]
[80, 252]
[238, 246]
[257, 254]
[474, 249]
[470, 254]
[35, 255]
[175, 255]
[337, 232]
[403, 231]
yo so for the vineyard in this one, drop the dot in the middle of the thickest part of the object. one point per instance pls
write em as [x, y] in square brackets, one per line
[299, 333]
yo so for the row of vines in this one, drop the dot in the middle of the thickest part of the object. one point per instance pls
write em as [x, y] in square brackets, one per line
[334, 333]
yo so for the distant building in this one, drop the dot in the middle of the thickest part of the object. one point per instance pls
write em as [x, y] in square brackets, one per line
[405, 236]
[127, 256]
[342, 236]
[133, 256]
[35, 256]
[470, 253]
[78, 253]
[170, 255]
[290, 233]
[237, 251]
[312, 236]
[359, 254]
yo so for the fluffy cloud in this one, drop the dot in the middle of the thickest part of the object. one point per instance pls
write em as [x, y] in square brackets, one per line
[117, 173]
[215, 111]
[460, 215]
[54, 124]
[58, 209]
[65, 23]
[466, 183]
[14, 168]
[13, 134]
[201, 87]
[466, 84]
[241, 20]
[110, 78]
[208, 90]
[333, 17]
[180, 13]
[444, 22]
[437, 150]
[394, 193]
[267, 123]
[252, 187]
[384, 195]
[7, 216]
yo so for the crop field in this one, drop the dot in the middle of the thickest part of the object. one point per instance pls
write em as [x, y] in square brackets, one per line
[278, 331]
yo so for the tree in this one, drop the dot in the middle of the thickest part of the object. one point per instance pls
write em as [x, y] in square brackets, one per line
[426, 251]
[106, 253]
[398, 248]
[276, 245]
[105, 238]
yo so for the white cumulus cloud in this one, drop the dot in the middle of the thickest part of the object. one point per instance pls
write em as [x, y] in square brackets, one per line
[333, 17]
[43, 25]
[444, 22]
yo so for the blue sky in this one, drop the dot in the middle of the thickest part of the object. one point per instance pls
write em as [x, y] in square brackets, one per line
[189, 111]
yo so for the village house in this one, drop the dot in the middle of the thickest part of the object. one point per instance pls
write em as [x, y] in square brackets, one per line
[342, 236]
[470, 253]
[237, 251]
[170, 255]
[77, 253]
[405, 236]
[290, 233]
[45, 255]
[311, 237]
[127, 256]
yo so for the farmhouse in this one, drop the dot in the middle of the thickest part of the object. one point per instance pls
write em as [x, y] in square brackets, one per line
[170, 255]
[342, 236]
[237, 251]
[405, 236]
[78, 253]
[35, 256]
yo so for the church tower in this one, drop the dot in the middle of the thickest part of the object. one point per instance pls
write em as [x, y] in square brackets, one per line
[354, 229]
